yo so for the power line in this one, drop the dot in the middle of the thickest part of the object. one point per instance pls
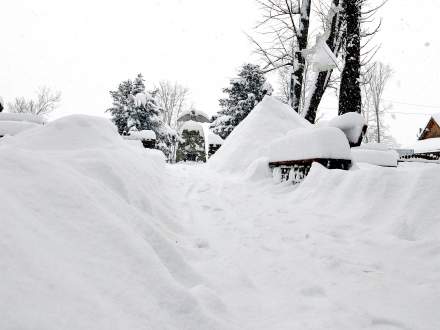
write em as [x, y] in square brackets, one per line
[414, 104]
[410, 113]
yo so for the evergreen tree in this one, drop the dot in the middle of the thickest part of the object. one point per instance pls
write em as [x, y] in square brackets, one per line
[135, 109]
[192, 147]
[244, 93]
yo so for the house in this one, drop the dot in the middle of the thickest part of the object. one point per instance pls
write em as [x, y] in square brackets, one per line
[432, 129]
[428, 145]
[198, 142]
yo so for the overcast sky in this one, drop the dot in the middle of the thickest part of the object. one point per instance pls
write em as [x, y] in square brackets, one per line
[85, 48]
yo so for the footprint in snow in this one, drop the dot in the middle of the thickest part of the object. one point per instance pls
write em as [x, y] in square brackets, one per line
[201, 243]
[313, 291]
[387, 324]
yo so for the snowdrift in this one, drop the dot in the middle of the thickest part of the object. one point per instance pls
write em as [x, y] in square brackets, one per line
[271, 119]
[88, 238]
[402, 201]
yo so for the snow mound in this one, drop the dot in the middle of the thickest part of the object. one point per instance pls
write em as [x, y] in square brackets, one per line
[306, 143]
[89, 238]
[351, 124]
[271, 119]
[28, 117]
[393, 201]
[375, 157]
[15, 127]
[69, 133]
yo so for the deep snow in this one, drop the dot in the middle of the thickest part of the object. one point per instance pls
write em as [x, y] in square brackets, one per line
[99, 234]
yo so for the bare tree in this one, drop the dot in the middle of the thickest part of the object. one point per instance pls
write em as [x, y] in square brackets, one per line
[334, 18]
[173, 99]
[46, 102]
[374, 108]
[285, 30]
[333, 27]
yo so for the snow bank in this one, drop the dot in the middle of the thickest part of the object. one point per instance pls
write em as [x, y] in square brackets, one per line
[375, 157]
[15, 127]
[28, 117]
[395, 201]
[89, 239]
[271, 119]
[71, 132]
[350, 123]
[306, 143]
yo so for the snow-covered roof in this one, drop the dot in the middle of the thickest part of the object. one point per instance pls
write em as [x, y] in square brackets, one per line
[427, 145]
[14, 127]
[8, 116]
[141, 135]
[194, 115]
[310, 143]
[350, 123]
[436, 117]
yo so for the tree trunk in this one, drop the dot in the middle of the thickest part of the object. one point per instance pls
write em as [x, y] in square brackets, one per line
[298, 70]
[378, 124]
[322, 79]
[350, 99]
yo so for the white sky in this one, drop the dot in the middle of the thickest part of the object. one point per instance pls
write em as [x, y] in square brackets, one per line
[85, 48]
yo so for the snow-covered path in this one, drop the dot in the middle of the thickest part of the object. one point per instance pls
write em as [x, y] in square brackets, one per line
[272, 260]
[98, 235]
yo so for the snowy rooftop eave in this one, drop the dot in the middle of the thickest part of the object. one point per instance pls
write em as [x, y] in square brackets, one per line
[194, 115]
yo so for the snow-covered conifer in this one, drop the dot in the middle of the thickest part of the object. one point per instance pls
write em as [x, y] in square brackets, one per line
[136, 109]
[244, 93]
